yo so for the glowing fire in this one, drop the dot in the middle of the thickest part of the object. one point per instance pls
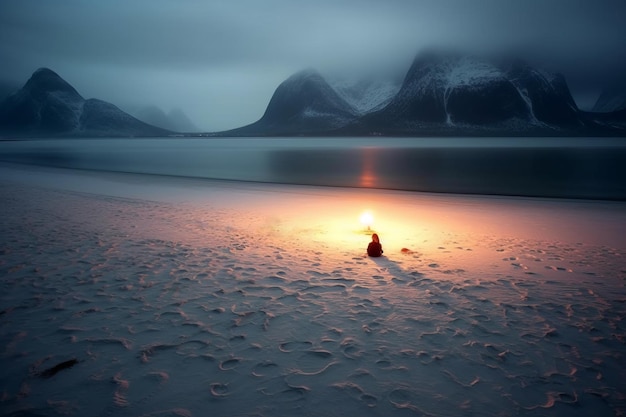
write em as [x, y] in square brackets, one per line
[367, 219]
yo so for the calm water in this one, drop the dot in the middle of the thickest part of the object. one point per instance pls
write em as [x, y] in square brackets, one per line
[552, 167]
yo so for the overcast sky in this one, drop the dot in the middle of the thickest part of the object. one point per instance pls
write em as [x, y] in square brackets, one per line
[220, 61]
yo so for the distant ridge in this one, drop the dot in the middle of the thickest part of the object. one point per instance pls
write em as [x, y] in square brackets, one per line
[47, 105]
[175, 120]
[443, 94]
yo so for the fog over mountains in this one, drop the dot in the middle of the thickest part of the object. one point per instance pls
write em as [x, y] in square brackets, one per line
[612, 99]
[175, 120]
[443, 94]
[49, 106]
[454, 92]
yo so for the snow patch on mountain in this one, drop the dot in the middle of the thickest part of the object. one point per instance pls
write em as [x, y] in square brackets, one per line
[468, 72]
[311, 112]
[474, 74]
[365, 95]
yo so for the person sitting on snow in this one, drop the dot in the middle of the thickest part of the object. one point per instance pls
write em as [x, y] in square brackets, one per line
[375, 249]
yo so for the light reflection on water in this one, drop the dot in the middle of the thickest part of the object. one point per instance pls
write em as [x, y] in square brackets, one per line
[553, 167]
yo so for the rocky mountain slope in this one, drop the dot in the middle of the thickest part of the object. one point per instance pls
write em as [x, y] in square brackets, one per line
[468, 95]
[442, 94]
[303, 104]
[49, 106]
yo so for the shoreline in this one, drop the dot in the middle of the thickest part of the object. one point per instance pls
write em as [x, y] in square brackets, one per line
[597, 221]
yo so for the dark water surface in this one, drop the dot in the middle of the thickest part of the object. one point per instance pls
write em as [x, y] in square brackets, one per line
[593, 168]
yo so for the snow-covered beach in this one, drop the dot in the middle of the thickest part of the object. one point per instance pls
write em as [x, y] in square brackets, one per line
[143, 295]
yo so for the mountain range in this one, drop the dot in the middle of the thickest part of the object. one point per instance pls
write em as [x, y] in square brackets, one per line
[49, 106]
[442, 94]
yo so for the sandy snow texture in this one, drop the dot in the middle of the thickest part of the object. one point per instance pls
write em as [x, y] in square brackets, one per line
[143, 296]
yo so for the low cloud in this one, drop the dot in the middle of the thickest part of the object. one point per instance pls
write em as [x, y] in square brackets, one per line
[221, 61]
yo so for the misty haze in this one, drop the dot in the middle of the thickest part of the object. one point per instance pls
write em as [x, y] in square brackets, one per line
[327, 208]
